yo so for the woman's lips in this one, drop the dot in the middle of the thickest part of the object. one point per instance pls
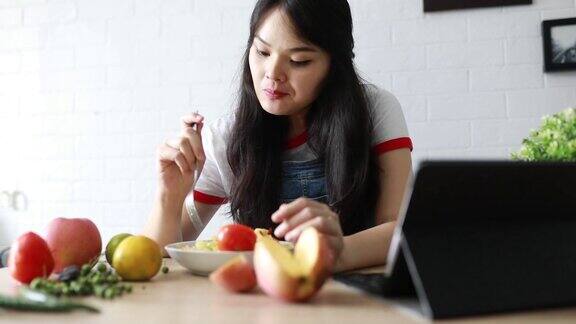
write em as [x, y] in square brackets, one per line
[274, 94]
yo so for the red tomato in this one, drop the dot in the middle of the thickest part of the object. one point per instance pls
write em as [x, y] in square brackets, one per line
[30, 257]
[236, 237]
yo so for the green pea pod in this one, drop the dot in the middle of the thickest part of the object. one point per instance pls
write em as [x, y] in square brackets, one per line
[30, 300]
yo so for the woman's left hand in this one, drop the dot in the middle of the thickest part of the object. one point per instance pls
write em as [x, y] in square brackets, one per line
[303, 212]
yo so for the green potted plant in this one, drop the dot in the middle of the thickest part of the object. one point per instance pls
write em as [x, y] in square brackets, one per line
[555, 140]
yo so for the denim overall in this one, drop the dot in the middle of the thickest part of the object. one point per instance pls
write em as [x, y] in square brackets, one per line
[303, 179]
[307, 179]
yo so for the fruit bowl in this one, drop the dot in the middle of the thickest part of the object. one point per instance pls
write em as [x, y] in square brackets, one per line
[203, 262]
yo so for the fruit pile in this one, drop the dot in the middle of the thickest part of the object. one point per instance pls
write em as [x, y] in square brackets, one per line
[290, 276]
[70, 249]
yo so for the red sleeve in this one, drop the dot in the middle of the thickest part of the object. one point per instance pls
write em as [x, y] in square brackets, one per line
[209, 199]
[393, 144]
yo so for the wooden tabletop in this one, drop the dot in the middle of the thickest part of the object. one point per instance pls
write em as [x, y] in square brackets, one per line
[180, 297]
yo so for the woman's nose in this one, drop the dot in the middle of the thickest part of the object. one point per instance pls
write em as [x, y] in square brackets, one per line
[274, 77]
[274, 72]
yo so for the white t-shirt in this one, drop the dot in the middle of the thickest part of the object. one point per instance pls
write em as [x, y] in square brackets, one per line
[213, 186]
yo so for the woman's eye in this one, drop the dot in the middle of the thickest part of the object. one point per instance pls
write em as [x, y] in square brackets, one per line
[262, 53]
[301, 63]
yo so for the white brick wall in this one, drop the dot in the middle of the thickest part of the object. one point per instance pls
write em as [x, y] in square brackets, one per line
[88, 89]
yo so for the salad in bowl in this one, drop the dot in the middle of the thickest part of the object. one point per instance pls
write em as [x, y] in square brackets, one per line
[201, 257]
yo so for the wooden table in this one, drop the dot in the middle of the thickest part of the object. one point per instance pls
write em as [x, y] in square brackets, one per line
[180, 297]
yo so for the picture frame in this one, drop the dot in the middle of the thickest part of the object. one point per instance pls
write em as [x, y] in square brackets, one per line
[559, 42]
[440, 5]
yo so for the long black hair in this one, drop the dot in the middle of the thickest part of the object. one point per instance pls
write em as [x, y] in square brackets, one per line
[338, 123]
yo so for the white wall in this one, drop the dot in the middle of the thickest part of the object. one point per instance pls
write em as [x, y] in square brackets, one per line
[89, 88]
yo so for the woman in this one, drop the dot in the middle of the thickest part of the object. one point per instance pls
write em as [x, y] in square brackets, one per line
[305, 126]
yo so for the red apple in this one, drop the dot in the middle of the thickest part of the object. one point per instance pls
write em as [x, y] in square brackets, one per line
[236, 275]
[73, 241]
[291, 276]
[29, 257]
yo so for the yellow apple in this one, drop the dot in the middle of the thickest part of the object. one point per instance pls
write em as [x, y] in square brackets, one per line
[236, 275]
[291, 276]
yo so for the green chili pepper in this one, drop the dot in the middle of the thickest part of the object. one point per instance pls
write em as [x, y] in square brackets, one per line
[30, 300]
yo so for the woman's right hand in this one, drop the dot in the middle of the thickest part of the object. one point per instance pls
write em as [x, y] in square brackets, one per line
[181, 159]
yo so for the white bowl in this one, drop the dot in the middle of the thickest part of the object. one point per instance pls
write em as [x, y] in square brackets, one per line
[202, 262]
